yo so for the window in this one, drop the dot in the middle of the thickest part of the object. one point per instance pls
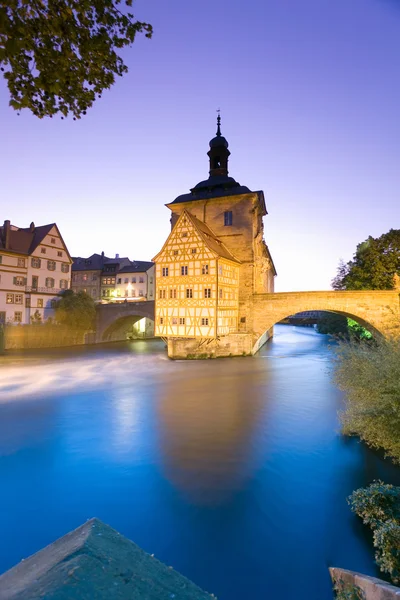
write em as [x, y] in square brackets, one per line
[194, 250]
[21, 262]
[1, 259]
[35, 263]
[207, 293]
[221, 293]
[19, 299]
[182, 321]
[126, 280]
[161, 320]
[204, 321]
[49, 282]
[27, 302]
[94, 293]
[119, 280]
[63, 284]
[184, 233]
[19, 280]
[53, 240]
[162, 293]
[53, 303]
[220, 269]
[189, 293]
[184, 270]
[243, 319]
[176, 252]
[141, 280]
[104, 280]
[228, 217]
[151, 280]
[165, 272]
[43, 250]
[85, 277]
[140, 292]
[133, 279]
[18, 317]
[10, 299]
[126, 293]
[51, 266]
[64, 267]
[59, 253]
[174, 321]
[94, 277]
[204, 269]
[40, 302]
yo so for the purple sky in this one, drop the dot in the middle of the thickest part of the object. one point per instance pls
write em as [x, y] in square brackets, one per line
[309, 92]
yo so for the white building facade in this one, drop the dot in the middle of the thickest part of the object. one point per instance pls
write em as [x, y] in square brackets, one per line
[35, 268]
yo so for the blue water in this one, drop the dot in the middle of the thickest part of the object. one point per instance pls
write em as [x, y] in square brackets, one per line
[232, 471]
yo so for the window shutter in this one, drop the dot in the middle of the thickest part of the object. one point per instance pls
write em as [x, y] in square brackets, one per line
[15, 280]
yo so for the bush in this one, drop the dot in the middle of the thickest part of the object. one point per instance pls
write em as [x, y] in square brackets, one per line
[379, 507]
[369, 373]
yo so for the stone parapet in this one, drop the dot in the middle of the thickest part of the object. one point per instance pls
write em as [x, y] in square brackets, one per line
[235, 344]
[369, 588]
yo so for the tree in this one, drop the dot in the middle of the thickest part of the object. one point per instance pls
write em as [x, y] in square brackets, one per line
[375, 264]
[77, 311]
[370, 376]
[58, 55]
[332, 323]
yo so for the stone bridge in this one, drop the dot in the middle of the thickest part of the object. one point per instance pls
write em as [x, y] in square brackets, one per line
[377, 311]
[114, 316]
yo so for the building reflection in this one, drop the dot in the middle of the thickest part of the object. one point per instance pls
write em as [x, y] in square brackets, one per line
[209, 426]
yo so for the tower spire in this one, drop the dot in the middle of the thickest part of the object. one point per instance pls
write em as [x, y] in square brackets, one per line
[219, 122]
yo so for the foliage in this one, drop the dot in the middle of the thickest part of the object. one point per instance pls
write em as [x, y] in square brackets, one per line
[76, 310]
[58, 55]
[344, 591]
[374, 265]
[357, 331]
[369, 373]
[332, 323]
[36, 318]
[379, 506]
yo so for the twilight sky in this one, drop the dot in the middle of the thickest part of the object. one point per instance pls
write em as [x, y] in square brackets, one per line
[309, 92]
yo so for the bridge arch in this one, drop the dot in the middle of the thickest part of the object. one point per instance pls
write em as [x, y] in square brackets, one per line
[113, 319]
[377, 311]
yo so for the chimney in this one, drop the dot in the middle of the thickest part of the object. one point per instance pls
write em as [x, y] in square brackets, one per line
[32, 227]
[6, 234]
[117, 256]
[102, 254]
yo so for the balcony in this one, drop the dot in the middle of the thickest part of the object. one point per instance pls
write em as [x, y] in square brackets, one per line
[44, 290]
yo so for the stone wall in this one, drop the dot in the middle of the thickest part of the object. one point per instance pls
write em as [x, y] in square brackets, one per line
[235, 344]
[369, 588]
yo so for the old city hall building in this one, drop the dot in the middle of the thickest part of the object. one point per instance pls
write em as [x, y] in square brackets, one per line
[211, 264]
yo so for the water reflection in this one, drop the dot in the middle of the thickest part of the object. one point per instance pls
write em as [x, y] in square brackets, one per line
[207, 430]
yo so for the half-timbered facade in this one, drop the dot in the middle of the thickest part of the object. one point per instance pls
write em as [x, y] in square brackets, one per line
[197, 283]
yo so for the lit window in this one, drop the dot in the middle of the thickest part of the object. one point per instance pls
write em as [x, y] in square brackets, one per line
[126, 293]
[36, 262]
[10, 299]
[189, 293]
[40, 302]
[27, 302]
[165, 272]
[51, 265]
[228, 217]
[207, 293]
[182, 321]
[184, 270]
[65, 267]
[19, 280]
[204, 321]
[204, 269]
[140, 292]
[43, 250]
[18, 317]
[18, 298]
[174, 321]
[21, 262]
[85, 277]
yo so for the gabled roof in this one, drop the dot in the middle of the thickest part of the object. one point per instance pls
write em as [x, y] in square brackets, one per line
[25, 240]
[137, 266]
[91, 263]
[207, 235]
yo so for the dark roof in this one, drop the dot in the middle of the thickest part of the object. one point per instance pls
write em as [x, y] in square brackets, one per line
[216, 186]
[137, 266]
[24, 240]
[92, 263]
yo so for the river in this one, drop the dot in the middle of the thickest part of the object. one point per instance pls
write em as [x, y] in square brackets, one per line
[233, 471]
